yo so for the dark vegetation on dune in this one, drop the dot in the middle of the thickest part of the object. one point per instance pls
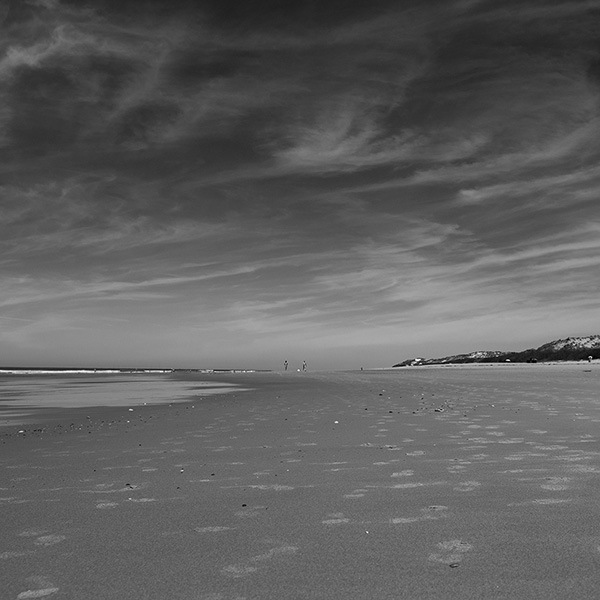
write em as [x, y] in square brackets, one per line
[573, 349]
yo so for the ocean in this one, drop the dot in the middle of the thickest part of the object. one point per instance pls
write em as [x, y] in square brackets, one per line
[25, 392]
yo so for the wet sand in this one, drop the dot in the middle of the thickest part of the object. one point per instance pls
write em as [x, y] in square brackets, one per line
[439, 482]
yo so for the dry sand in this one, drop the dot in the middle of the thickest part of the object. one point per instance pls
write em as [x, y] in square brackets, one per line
[413, 483]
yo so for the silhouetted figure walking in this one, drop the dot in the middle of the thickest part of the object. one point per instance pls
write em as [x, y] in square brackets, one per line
[285, 365]
[304, 366]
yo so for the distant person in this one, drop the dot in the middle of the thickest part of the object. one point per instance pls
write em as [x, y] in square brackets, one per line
[285, 365]
[304, 366]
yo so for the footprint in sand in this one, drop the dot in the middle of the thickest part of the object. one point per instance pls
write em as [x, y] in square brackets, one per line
[40, 587]
[456, 469]
[41, 593]
[556, 484]
[220, 597]
[7, 555]
[405, 473]
[429, 513]
[542, 501]
[238, 570]
[584, 469]
[49, 540]
[360, 493]
[336, 519]
[32, 532]
[467, 486]
[450, 552]
[107, 505]
[251, 511]
[141, 500]
[248, 567]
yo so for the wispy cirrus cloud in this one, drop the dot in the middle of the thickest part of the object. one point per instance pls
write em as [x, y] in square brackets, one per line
[250, 174]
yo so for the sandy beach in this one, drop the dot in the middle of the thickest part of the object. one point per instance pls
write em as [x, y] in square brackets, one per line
[447, 482]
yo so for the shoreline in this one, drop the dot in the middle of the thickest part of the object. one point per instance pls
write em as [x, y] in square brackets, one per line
[26, 397]
[24, 418]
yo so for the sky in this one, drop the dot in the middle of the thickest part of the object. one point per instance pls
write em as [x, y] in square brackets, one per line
[227, 184]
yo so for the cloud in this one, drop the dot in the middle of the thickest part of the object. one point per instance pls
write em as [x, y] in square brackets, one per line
[25, 290]
[552, 185]
[145, 84]
[347, 174]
